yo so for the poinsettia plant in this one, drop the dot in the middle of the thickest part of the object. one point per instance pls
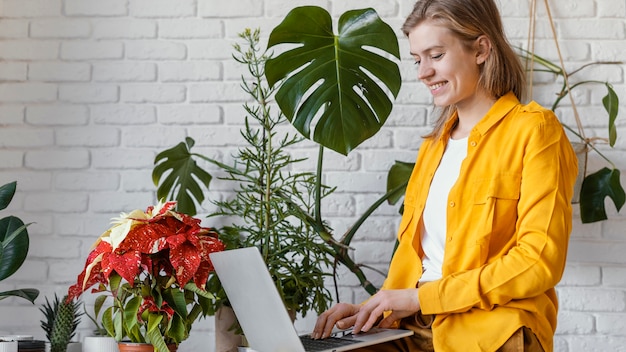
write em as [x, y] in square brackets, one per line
[155, 265]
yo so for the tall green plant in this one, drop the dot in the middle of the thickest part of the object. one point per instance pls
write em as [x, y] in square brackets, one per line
[336, 89]
[266, 194]
[14, 244]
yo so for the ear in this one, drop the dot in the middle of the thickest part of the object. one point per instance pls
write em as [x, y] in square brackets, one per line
[483, 49]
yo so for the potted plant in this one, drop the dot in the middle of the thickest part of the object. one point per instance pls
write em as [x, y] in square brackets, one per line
[14, 244]
[61, 318]
[154, 264]
[353, 107]
[99, 341]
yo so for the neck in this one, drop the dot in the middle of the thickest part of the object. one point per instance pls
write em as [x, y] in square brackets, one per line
[470, 114]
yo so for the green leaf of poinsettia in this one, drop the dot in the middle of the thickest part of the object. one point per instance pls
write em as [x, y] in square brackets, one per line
[611, 105]
[336, 89]
[183, 179]
[595, 188]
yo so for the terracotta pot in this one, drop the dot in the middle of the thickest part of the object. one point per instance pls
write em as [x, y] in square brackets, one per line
[141, 347]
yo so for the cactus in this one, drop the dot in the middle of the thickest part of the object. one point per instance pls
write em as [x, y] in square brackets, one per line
[62, 318]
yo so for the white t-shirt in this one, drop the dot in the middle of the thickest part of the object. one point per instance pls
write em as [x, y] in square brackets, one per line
[435, 211]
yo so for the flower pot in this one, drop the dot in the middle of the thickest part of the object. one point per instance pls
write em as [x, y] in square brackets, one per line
[226, 339]
[8, 346]
[141, 347]
[100, 344]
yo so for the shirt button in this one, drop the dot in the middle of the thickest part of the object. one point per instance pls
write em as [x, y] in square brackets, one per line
[452, 204]
[473, 143]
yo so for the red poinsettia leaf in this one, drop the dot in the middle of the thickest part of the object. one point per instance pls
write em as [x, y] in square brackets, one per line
[95, 271]
[208, 244]
[202, 274]
[146, 238]
[127, 265]
[189, 221]
[176, 240]
[185, 261]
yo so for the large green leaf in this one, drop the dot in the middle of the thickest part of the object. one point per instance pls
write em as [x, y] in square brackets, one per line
[29, 294]
[336, 89]
[611, 104]
[595, 188]
[6, 194]
[13, 245]
[397, 179]
[183, 179]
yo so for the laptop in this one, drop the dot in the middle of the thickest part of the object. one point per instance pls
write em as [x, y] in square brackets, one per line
[263, 316]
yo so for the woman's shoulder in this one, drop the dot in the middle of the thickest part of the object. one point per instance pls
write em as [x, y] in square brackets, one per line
[535, 111]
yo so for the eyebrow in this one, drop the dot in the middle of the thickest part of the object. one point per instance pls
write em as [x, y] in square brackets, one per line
[427, 50]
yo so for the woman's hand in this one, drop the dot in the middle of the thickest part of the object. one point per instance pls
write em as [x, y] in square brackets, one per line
[341, 314]
[401, 304]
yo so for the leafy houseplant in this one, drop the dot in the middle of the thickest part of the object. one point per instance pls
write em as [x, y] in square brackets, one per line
[154, 265]
[13, 245]
[296, 257]
[61, 320]
[350, 105]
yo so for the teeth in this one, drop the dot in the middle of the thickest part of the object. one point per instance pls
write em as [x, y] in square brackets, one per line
[435, 86]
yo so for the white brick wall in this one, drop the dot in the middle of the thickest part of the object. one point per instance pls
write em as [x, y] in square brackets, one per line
[91, 90]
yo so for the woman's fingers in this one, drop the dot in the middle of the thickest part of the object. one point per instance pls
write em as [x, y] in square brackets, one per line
[325, 323]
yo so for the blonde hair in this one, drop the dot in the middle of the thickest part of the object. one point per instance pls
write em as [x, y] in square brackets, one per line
[501, 73]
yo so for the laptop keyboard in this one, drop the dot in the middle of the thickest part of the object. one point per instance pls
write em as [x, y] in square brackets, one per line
[311, 345]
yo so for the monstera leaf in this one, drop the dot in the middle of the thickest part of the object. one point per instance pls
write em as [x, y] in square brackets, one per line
[184, 177]
[595, 188]
[335, 89]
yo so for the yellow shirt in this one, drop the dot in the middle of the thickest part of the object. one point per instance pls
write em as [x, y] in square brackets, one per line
[509, 218]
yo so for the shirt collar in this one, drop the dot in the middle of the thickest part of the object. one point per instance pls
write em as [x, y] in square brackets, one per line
[501, 108]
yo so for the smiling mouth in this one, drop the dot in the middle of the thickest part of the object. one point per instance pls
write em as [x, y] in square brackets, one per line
[437, 85]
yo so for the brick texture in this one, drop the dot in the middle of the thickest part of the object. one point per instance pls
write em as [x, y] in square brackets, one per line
[91, 91]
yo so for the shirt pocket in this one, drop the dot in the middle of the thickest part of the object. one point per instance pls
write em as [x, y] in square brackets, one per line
[501, 187]
[495, 214]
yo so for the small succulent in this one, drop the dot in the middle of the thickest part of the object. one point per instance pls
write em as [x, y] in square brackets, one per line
[61, 319]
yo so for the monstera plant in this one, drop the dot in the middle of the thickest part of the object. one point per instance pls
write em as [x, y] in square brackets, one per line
[329, 92]
[335, 88]
[13, 245]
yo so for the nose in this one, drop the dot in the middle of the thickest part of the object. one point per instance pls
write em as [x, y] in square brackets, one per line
[424, 70]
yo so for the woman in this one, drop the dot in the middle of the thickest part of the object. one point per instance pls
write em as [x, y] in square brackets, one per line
[487, 212]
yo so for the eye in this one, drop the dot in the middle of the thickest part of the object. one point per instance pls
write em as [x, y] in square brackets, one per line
[417, 62]
[437, 57]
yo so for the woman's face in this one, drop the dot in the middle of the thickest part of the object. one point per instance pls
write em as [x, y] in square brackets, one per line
[447, 68]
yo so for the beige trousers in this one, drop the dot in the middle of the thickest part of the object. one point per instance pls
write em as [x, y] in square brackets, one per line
[523, 340]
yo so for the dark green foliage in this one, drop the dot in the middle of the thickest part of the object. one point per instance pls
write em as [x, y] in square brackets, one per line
[14, 244]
